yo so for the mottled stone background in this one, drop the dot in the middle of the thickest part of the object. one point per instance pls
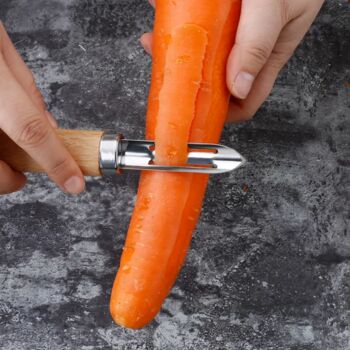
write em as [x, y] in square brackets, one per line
[269, 266]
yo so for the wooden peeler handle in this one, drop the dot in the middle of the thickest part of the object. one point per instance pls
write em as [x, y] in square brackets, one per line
[82, 144]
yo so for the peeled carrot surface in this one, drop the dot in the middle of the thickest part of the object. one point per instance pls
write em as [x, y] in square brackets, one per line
[188, 102]
[181, 82]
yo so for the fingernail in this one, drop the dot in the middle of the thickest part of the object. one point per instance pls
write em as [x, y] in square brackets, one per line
[74, 185]
[243, 84]
[146, 47]
[51, 119]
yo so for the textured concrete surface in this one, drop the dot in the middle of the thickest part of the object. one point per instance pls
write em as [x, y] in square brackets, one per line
[269, 266]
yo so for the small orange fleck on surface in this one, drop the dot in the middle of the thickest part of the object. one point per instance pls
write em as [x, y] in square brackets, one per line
[167, 39]
[126, 268]
[245, 188]
[183, 59]
[171, 152]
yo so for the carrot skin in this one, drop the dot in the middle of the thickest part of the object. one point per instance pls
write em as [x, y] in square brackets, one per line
[168, 204]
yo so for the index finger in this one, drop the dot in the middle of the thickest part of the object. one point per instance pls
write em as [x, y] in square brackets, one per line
[27, 126]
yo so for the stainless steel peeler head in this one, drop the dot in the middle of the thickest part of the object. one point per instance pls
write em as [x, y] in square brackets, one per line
[117, 153]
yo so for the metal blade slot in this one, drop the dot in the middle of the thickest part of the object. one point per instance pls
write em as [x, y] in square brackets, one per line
[202, 158]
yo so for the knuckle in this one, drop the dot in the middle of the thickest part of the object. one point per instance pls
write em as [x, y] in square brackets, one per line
[280, 56]
[258, 54]
[277, 61]
[34, 132]
[286, 13]
[59, 167]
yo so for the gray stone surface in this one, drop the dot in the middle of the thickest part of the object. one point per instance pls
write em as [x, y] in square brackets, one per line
[269, 266]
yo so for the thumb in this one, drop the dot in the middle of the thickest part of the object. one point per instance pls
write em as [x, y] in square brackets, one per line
[258, 31]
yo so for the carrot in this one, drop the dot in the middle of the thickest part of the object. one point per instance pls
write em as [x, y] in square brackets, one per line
[188, 102]
[181, 83]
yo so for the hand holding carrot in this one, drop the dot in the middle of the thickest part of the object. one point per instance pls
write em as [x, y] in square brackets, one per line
[268, 33]
[25, 119]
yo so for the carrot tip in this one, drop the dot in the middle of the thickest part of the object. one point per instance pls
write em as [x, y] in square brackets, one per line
[128, 313]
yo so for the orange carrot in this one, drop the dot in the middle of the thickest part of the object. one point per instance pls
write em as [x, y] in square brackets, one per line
[188, 102]
[182, 78]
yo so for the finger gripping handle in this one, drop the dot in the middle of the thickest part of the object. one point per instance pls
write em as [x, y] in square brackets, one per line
[83, 145]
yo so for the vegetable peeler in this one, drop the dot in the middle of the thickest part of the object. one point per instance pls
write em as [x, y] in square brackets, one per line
[107, 153]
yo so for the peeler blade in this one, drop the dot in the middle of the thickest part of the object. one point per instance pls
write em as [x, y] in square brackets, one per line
[202, 158]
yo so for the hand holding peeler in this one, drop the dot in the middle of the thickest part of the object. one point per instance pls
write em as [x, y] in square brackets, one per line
[107, 153]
